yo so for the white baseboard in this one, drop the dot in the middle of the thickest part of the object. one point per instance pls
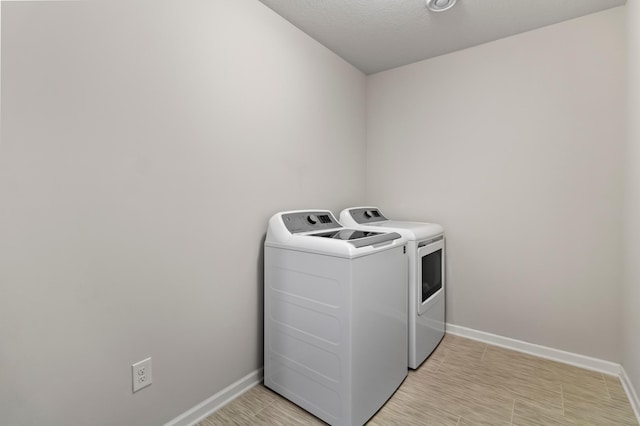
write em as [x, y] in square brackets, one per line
[631, 392]
[208, 406]
[582, 361]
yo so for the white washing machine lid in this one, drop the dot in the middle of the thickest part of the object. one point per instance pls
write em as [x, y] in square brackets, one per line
[318, 231]
[373, 219]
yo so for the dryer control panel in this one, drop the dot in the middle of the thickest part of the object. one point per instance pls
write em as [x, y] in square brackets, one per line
[365, 215]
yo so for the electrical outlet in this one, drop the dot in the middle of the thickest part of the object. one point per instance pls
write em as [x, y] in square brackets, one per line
[141, 374]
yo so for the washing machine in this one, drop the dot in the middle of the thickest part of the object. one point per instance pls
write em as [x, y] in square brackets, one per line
[335, 315]
[426, 249]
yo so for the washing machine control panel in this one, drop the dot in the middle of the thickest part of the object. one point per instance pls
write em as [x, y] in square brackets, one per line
[309, 221]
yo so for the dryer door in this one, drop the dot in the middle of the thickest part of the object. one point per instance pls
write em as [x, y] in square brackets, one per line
[430, 274]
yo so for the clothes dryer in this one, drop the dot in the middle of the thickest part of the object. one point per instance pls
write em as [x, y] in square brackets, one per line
[426, 278]
[335, 315]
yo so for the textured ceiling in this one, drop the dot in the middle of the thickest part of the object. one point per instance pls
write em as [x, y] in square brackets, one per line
[376, 35]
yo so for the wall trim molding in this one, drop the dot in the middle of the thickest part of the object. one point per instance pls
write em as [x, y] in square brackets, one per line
[582, 361]
[631, 392]
[213, 403]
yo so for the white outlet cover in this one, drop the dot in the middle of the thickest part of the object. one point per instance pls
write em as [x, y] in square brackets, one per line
[141, 374]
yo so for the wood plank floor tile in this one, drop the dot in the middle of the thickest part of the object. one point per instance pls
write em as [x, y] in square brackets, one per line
[521, 364]
[228, 415]
[614, 386]
[400, 411]
[527, 414]
[461, 396]
[285, 413]
[507, 380]
[596, 409]
[242, 410]
[455, 347]
[465, 383]
[588, 387]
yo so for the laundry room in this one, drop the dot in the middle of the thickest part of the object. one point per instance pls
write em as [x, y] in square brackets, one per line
[145, 145]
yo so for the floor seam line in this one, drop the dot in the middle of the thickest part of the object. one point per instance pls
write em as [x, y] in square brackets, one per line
[606, 386]
[265, 407]
[513, 409]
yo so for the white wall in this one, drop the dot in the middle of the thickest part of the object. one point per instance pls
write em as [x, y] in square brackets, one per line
[631, 329]
[143, 150]
[144, 147]
[516, 147]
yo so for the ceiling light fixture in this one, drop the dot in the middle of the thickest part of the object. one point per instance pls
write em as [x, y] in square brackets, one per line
[440, 5]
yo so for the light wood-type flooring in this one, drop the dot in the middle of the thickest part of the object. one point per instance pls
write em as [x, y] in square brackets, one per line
[466, 382]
